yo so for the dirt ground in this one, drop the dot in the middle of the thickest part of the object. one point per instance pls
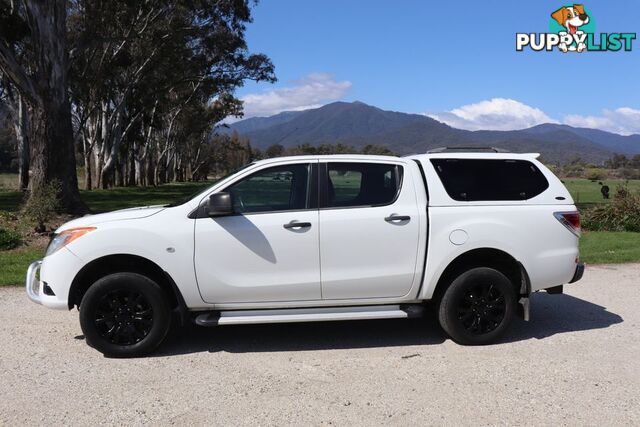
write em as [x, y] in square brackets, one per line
[576, 363]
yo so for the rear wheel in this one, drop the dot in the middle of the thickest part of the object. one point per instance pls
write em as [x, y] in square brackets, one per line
[478, 306]
[125, 315]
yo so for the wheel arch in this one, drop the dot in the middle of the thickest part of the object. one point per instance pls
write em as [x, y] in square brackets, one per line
[485, 257]
[120, 263]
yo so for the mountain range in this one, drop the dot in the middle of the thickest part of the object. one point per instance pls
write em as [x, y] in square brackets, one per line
[358, 124]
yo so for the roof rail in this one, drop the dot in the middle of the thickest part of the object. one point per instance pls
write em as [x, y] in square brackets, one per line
[463, 149]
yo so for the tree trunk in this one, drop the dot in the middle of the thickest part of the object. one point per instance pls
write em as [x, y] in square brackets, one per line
[131, 169]
[87, 169]
[120, 170]
[151, 171]
[24, 152]
[52, 154]
[139, 162]
[98, 164]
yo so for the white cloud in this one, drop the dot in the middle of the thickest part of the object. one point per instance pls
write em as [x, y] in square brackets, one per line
[494, 114]
[318, 89]
[311, 91]
[624, 121]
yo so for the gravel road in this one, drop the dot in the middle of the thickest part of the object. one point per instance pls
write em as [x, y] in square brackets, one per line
[576, 362]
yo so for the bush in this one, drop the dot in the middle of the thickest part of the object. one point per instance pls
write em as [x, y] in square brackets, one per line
[595, 174]
[629, 173]
[9, 239]
[622, 214]
[42, 204]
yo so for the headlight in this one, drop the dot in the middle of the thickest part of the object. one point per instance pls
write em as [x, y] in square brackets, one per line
[62, 239]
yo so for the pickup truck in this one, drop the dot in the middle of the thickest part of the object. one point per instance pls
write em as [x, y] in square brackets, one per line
[319, 238]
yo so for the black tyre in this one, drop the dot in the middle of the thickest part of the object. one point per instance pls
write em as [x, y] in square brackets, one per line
[125, 315]
[478, 306]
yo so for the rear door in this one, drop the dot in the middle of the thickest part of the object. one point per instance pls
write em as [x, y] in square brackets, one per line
[369, 229]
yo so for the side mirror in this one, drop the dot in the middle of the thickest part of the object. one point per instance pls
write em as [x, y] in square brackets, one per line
[219, 205]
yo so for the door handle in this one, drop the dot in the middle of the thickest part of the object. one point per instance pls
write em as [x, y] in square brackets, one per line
[397, 218]
[296, 224]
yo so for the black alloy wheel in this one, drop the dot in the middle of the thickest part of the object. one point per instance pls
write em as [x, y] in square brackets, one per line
[125, 315]
[478, 306]
[482, 308]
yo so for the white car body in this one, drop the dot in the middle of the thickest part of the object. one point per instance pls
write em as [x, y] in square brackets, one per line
[348, 257]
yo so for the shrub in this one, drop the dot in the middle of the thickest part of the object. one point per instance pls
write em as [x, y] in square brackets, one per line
[629, 173]
[42, 204]
[622, 214]
[9, 239]
[595, 174]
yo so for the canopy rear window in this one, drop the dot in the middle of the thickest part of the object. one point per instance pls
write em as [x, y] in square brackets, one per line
[490, 179]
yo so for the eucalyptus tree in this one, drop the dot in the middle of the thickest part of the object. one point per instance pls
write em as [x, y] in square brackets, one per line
[140, 67]
[34, 59]
[124, 78]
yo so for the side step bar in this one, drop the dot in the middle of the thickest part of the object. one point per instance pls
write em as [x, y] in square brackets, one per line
[244, 317]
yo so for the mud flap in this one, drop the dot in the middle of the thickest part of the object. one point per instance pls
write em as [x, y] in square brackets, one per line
[523, 308]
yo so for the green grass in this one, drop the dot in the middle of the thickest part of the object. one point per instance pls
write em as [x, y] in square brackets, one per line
[586, 193]
[603, 247]
[8, 181]
[120, 197]
[14, 263]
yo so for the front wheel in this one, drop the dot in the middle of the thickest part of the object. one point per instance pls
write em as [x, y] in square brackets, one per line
[478, 306]
[125, 315]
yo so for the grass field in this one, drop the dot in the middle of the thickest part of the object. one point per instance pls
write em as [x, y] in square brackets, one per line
[587, 193]
[119, 198]
[8, 181]
[14, 263]
[602, 247]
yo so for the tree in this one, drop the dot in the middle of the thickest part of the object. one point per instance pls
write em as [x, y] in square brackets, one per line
[275, 150]
[379, 150]
[18, 110]
[139, 70]
[139, 85]
[7, 142]
[35, 60]
[617, 161]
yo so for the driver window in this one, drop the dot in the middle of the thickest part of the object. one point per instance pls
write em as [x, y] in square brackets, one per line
[279, 188]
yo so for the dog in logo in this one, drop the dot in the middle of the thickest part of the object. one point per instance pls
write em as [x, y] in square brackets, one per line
[571, 18]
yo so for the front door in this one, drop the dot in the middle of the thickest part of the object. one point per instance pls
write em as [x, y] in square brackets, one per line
[369, 230]
[269, 249]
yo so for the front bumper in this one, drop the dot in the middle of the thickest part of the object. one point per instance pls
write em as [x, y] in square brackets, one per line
[39, 292]
[32, 283]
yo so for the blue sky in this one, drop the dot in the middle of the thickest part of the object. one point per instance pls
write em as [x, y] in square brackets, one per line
[453, 60]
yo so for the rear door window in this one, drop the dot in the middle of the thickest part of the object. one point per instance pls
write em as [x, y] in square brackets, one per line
[361, 184]
[490, 179]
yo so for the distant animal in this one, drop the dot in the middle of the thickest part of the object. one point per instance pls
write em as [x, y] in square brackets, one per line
[605, 191]
[571, 18]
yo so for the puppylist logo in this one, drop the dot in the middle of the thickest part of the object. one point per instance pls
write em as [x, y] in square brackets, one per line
[572, 29]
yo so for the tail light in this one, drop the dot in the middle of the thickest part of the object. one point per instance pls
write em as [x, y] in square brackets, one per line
[571, 220]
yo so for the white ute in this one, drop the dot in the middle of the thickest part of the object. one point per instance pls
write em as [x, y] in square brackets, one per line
[313, 238]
